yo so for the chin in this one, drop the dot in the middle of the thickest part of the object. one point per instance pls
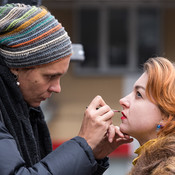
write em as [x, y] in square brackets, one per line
[35, 104]
[123, 129]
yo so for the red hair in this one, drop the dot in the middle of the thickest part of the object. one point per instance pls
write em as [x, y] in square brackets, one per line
[160, 87]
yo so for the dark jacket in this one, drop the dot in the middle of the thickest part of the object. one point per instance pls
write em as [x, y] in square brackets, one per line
[74, 157]
[25, 145]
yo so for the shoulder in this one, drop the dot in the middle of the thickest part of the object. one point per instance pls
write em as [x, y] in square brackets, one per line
[162, 148]
[166, 167]
[166, 154]
[4, 133]
[159, 157]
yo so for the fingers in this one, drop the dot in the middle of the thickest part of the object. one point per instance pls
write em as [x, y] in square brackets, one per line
[96, 121]
[98, 107]
[97, 102]
[105, 112]
[114, 131]
[118, 132]
[124, 140]
[111, 133]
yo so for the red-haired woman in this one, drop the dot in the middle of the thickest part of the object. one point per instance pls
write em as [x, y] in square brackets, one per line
[149, 116]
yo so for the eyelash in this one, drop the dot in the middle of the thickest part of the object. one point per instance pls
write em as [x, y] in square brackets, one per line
[138, 94]
[49, 77]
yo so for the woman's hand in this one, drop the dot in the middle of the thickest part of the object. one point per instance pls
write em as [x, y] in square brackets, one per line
[97, 119]
[97, 128]
[113, 140]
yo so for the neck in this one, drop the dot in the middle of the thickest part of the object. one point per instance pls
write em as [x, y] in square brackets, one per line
[142, 140]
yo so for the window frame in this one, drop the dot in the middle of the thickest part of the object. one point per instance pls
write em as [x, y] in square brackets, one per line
[104, 68]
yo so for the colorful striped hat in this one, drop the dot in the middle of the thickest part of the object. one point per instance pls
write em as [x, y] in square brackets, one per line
[31, 36]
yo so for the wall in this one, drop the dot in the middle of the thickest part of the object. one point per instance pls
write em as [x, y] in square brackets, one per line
[77, 93]
[67, 108]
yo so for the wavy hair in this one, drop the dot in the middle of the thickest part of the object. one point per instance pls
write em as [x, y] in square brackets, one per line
[160, 88]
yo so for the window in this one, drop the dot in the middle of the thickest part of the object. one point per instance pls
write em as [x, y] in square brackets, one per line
[117, 40]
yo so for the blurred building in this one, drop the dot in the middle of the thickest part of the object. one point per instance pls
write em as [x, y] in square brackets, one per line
[118, 36]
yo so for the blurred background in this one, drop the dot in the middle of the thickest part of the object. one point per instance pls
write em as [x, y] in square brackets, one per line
[117, 37]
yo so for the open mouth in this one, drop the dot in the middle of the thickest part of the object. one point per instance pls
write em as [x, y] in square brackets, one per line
[123, 117]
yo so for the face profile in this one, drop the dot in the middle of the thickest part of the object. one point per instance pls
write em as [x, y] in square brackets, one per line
[140, 115]
[38, 84]
[148, 115]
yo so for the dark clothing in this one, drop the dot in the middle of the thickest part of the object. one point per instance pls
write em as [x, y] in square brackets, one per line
[25, 145]
[25, 124]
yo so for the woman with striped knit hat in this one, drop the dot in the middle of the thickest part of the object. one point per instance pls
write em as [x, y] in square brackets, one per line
[35, 52]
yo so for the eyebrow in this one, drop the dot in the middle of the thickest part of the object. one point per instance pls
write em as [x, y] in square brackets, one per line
[139, 87]
[53, 74]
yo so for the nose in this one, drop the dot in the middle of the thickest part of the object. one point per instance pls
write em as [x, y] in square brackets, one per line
[55, 87]
[124, 102]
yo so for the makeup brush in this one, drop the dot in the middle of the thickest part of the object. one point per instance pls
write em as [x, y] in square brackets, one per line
[114, 110]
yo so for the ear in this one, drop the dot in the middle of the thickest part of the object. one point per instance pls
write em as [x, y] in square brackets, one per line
[165, 119]
[14, 71]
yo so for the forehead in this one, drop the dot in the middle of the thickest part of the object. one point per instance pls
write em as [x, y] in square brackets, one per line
[142, 81]
[60, 66]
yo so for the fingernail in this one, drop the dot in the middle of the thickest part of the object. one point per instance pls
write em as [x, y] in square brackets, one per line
[110, 140]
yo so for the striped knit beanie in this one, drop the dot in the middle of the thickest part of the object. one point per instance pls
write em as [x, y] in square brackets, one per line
[31, 36]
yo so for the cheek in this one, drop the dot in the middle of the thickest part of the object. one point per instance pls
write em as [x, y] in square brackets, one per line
[31, 87]
[155, 114]
[28, 89]
[149, 116]
[139, 116]
[34, 85]
[40, 87]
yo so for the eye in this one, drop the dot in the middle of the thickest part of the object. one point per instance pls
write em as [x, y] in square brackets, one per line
[138, 94]
[51, 76]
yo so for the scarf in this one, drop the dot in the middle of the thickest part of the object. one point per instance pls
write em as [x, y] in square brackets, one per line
[142, 148]
[26, 124]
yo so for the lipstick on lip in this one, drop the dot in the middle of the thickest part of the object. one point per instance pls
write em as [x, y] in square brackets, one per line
[123, 117]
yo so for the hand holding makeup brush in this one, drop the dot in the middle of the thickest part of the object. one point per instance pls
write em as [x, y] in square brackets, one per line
[96, 122]
[97, 127]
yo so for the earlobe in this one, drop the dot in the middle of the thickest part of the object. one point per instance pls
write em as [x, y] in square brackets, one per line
[15, 73]
[161, 124]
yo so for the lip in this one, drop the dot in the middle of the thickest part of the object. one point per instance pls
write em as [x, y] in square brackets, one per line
[43, 98]
[46, 97]
[124, 116]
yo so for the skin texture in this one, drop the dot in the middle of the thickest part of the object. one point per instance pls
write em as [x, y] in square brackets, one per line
[97, 129]
[38, 84]
[140, 115]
